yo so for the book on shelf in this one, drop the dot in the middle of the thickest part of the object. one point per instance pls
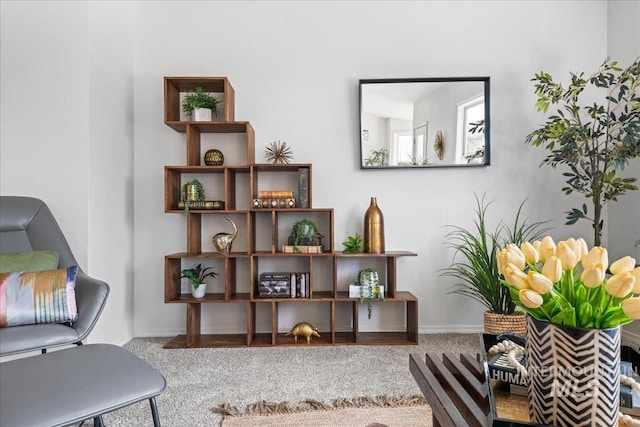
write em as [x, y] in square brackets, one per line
[276, 194]
[273, 203]
[303, 187]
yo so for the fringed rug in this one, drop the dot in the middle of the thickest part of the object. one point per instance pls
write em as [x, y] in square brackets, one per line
[381, 411]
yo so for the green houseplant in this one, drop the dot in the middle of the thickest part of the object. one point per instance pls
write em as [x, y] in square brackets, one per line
[594, 140]
[191, 191]
[370, 287]
[200, 99]
[476, 270]
[304, 232]
[377, 158]
[196, 276]
[353, 244]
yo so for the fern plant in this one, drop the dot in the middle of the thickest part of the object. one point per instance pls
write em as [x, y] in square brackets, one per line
[199, 99]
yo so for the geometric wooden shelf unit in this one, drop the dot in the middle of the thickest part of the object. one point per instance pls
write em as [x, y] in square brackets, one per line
[261, 236]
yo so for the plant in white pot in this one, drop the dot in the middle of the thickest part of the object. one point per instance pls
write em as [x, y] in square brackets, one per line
[196, 276]
[370, 287]
[203, 105]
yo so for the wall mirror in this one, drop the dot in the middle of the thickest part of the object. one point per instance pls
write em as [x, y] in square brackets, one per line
[424, 122]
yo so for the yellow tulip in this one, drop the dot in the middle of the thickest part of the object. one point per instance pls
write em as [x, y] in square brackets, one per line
[514, 256]
[500, 259]
[530, 298]
[539, 282]
[631, 307]
[597, 255]
[581, 248]
[530, 253]
[515, 277]
[567, 257]
[636, 286]
[536, 244]
[622, 265]
[552, 268]
[547, 248]
[593, 276]
[620, 285]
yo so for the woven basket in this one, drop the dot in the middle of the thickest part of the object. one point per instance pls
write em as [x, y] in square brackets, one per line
[498, 323]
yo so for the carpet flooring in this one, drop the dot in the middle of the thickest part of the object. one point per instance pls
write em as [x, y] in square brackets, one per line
[200, 379]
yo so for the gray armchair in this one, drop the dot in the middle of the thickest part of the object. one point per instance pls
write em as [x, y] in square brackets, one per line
[27, 224]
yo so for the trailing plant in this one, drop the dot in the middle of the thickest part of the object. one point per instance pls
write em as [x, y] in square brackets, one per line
[476, 270]
[199, 193]
[374, 290]
[378, 158]
[304, 231]
[197, 274]
[353, 244]
[595, 141]
[199, 99]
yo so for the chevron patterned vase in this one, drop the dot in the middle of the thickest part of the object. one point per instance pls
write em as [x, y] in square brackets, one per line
[574, 375]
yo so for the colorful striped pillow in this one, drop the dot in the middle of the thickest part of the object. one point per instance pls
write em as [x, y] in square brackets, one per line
[28, 298]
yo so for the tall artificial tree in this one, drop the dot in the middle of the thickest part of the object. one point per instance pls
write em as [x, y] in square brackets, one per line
[594, 140]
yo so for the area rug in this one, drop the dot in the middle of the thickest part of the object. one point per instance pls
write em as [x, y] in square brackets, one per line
[381, 411]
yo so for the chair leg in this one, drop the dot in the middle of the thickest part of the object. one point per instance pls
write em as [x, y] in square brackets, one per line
[154, 412]
[97, 421]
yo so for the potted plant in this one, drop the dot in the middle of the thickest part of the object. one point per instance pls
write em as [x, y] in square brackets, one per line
[304, 233]
[370, 287]
[475, 267]
[196, 276]
[595, 140]
[377, 158]
[192, 191]
[201, 104]
[353, 244]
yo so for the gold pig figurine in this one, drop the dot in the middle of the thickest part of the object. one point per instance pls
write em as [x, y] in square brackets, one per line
[303, 329]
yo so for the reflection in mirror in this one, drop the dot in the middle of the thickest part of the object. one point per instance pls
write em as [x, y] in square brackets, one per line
[426, 122]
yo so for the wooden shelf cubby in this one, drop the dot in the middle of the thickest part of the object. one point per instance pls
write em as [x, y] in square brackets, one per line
[262, 234]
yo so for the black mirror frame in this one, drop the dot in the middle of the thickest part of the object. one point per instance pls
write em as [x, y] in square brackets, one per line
[487, 115]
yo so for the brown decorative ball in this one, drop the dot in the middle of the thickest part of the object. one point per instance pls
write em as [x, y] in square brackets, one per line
[213, 157]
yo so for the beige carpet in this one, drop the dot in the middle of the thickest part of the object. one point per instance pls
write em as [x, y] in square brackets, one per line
[364, 411]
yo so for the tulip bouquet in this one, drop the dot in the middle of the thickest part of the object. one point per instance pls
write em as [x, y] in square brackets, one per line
[568, 283]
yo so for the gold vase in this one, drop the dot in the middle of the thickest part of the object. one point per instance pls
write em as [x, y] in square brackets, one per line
[373, 229]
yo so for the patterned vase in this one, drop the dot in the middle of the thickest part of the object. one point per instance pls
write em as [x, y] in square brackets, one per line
[574, 375]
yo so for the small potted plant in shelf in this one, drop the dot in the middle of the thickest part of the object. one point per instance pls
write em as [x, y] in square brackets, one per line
[196, 276]
[190, 192]
[353, 244]
[370, 288]
[201, 104]
[304, 237]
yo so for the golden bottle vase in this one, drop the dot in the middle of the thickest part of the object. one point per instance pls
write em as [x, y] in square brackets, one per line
[373, 229]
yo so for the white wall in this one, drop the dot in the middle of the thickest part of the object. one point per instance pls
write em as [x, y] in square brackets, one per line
[295, 68]
[71, 64]
[623, 227]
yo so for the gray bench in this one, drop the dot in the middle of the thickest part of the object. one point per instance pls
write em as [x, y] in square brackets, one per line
[68, 386]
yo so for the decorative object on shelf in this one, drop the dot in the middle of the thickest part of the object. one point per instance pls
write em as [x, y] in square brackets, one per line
[438, 145]
[199, 102]
[271, 203]
[370, 287]
[223, 241]
[217, 205]
[595, 140]
[304, 233]
[377, 158]
[353, 244]
[192, 191]
[196, 276]
[278, 153]
[303, 187]
[373, 229]
[303, 329]
[477, 275]
[213, 157]
[575, 312]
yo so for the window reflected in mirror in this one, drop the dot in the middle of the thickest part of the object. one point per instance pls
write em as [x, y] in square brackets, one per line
[428, 122]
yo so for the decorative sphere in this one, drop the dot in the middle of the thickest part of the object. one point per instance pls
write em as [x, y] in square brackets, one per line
[213, 157]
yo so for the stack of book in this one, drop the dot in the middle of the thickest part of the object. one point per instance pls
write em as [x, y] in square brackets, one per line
[284, 285]
[274, 199]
